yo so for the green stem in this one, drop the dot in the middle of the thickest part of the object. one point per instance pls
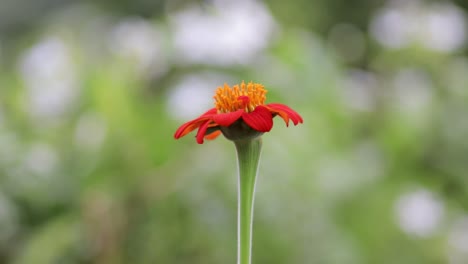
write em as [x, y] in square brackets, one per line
[248, 156]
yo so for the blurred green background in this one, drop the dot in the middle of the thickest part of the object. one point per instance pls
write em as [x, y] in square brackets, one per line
[91, 93]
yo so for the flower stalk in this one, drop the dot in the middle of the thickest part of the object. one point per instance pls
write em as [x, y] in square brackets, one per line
[248, 156]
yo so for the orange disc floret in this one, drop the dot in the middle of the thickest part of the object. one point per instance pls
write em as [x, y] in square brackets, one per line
[243, 96]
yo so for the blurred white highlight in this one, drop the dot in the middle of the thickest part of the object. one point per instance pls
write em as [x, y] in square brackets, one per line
[390, 28]
[419, 213]
[49, 76]
[142, 42]
[232, 33]
[439, 26]
[446, 28]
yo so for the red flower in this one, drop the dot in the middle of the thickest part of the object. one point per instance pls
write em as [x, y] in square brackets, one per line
[238, 106]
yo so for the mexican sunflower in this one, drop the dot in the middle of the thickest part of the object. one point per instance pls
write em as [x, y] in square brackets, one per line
[240, 113]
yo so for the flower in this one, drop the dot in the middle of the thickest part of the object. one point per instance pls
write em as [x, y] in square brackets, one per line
[240, 112]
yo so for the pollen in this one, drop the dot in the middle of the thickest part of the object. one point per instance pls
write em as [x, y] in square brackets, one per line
[243, 96]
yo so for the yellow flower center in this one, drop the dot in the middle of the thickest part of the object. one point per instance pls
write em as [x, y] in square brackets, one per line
[243, 96]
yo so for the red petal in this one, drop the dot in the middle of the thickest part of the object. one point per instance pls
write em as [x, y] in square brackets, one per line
[283, 115]
[285, 112]
[213, 135]
[227, 119]
[189, 127]
[201, 132]
[259, 119]
[193, 124]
